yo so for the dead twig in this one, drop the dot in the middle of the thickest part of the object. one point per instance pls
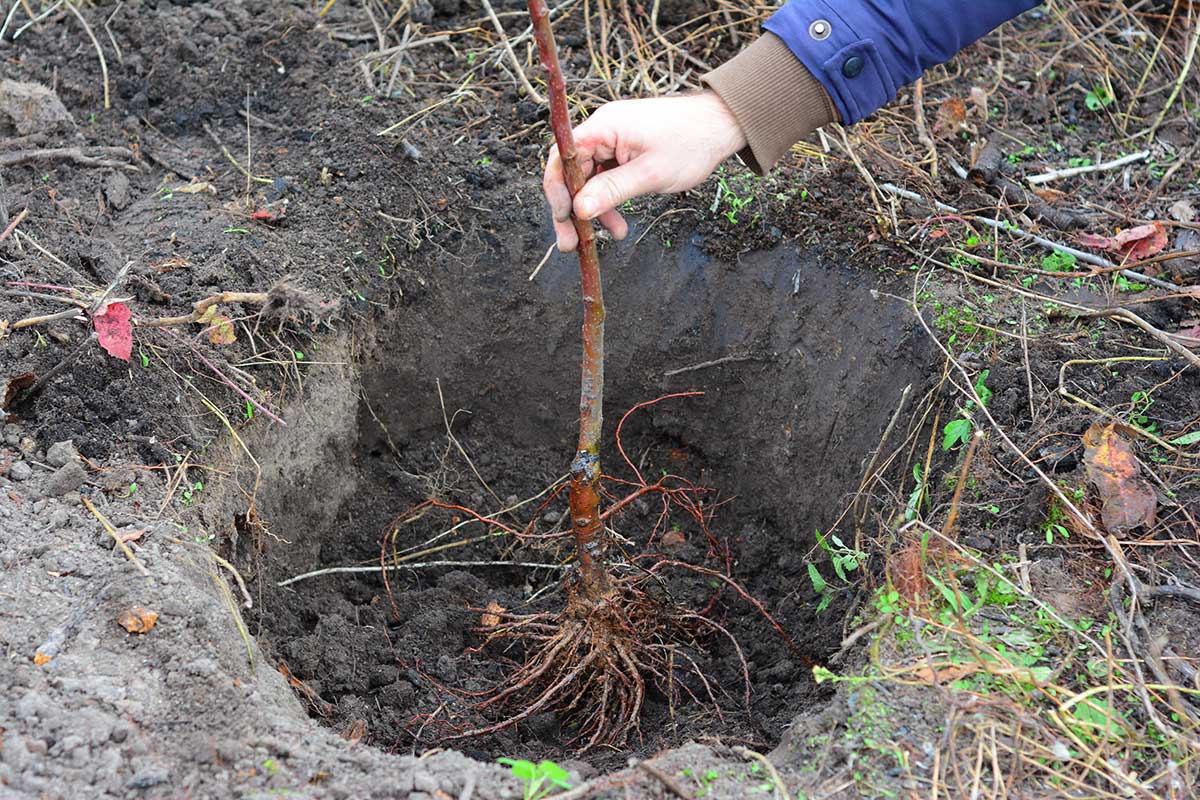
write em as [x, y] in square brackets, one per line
[12, 226]
[121, 543]
[665, 779]
[1071, 172]
[922, 131]
[512, 56]
[99, 52]
[1080, 255]
[74, 154]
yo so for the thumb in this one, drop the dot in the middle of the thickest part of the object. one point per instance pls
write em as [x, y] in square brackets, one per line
[612, 187]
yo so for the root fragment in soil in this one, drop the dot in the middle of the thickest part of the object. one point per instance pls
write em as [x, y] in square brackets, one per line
[594, 661]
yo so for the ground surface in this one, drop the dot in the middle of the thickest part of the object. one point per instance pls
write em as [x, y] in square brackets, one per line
[411, 356]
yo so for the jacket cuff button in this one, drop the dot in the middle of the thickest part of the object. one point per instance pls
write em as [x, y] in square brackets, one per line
[820, 30]
[853, 66]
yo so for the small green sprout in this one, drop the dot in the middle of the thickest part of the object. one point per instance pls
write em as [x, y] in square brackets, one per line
[1099, 97]
[540, 778]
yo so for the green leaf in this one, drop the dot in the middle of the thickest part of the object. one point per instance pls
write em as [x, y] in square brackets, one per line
[956, 431]
[822, 674]
[818, 582]
[837, 567]
[555, 774]
[1187, 438]
[525, 770]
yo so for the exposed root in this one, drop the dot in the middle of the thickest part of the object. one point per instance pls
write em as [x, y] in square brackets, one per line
[594, 662]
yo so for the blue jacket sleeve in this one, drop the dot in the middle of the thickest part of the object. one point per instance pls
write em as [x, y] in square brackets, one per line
[863, 51]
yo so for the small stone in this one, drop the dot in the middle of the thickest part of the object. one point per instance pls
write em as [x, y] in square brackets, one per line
[20, 471]
[59, 518]
[551, 517]
[39, 506]
[202, 666]
[67, 478]
[149, 776]
[116, 190]
[60, 453]
[445, 668]
[424, 782]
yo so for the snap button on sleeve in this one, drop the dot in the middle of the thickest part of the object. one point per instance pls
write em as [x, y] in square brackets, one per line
[852, 67]
[820, 30]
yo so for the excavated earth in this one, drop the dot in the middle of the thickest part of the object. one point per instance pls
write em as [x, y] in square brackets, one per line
[410, 355]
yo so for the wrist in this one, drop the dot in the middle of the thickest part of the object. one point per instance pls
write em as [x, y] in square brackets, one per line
[775, 99]
[730, 138]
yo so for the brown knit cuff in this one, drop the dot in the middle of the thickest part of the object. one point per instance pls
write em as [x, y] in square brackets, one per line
[775, 99]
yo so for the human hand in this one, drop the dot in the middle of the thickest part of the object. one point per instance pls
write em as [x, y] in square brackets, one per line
[634, 147]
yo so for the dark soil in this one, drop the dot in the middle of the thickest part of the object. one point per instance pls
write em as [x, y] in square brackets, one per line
[779, 434]
[428, 256]
[416, 253]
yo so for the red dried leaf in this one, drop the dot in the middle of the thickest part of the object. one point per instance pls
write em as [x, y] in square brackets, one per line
[114, 330]
[1136, 243]
[1126, 498]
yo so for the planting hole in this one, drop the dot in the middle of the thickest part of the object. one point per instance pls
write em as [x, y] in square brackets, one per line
[799, 378]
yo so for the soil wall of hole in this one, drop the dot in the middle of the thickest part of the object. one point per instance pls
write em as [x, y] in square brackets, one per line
[799, 376]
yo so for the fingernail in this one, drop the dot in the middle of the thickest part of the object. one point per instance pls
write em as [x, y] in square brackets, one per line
[588, 207]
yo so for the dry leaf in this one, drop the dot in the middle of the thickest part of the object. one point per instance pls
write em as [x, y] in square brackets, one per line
[16, 385]
[491, 617]
[356, 731]
[221, 331]
[220, 327]
[3, 328]
[951, 117]
[131, 536]
[979, 99]
[1126, 499]
[136, 619]
[945, 672]
[907, 573]
[1050, 195]
[673, 538]
[1182, 211]
[1137, 243]
[40, 658]
[195, 187]
[114, 330]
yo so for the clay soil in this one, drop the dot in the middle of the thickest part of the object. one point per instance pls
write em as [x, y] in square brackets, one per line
[411, 356]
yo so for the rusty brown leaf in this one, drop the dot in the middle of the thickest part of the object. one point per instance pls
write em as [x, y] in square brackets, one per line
[906, 570]
[951, 117]
[355, 731]
[1126, 498]
[491, 617]
[136, 619]
[673, 538]
[1136, 243]
[945, 672]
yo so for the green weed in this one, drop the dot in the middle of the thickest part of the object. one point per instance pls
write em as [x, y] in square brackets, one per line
[539, 779]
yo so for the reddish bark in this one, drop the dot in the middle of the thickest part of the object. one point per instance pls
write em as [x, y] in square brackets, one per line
[585, 469]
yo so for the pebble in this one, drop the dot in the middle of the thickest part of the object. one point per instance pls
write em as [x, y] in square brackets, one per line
[61, 453]
[65, 479]
[39, 506]
[445, 668]
[59, 518]
[20, 471]
[424, 782]
[146, 777]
